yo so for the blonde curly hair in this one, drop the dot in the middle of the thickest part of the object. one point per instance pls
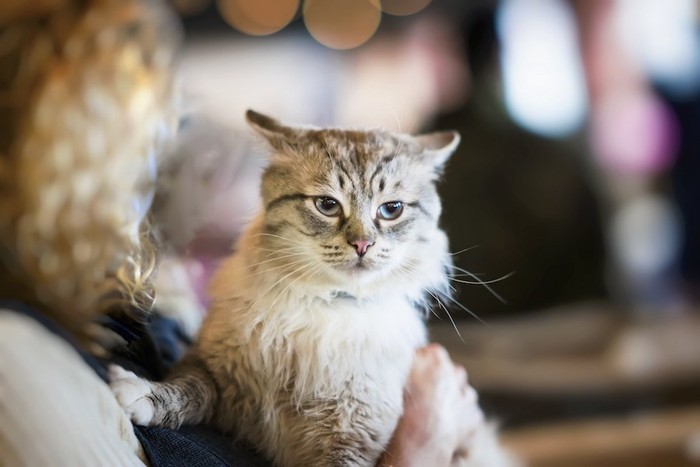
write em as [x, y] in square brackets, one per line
[85, 97]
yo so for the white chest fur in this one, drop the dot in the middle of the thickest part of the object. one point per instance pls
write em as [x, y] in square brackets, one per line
[323, 344]
[281, 352]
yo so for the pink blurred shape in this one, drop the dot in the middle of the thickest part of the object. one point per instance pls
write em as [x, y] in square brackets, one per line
[634, 133]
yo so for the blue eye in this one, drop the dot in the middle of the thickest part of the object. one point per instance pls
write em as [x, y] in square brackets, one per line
[390, 211]
[327, 206]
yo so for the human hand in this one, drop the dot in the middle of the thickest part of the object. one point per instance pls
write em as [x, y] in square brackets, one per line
[441, 413]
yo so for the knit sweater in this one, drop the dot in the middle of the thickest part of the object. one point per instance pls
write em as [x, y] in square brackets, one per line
[54, 409]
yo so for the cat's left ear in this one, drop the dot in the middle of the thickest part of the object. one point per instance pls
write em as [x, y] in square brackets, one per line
[280, 137]
[438, 146]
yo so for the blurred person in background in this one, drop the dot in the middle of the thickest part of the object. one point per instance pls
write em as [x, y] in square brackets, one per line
[519, 208]
[633, 137]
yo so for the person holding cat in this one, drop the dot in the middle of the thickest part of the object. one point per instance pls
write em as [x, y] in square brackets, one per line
[86, 102]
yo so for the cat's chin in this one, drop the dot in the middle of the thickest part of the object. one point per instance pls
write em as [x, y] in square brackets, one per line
[356, 273]
[360, 269]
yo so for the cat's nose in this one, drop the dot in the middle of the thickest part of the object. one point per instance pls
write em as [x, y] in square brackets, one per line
[362, 245]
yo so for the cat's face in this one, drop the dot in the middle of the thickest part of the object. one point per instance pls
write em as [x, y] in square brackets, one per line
[350, 206]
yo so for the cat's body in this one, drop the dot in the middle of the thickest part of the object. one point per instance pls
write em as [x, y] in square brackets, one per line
[308, 367]
[315, 320]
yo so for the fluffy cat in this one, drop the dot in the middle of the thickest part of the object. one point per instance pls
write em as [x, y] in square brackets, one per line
[315, 319]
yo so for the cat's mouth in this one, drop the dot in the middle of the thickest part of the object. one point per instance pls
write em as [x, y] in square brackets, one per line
[357, 266]
[360, 265]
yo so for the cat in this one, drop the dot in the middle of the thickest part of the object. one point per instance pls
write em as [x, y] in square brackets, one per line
[314, 321]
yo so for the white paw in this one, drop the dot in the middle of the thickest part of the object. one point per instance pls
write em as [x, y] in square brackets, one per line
[131, 393]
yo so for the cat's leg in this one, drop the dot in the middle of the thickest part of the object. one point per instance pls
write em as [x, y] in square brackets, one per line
[324, 434]
[347, 452]
[188, 395]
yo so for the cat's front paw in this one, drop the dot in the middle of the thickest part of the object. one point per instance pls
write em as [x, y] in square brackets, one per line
[132, 393]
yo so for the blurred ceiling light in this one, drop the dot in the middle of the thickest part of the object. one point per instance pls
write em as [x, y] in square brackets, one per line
[341, 24]
[258, 17]
[543, 79]
[190, 7]
[403, 7]
[663, 37]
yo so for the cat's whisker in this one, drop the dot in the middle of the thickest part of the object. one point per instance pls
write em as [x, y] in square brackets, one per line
[254, 265]
[408, 266]
[453, 300]
[433, 311]
[464, 250]
[290, 240]
[454, 325]
[271, 252]
[287, 264]
[266, 234]
[406, 272]
[481, 282]
[316, 268]
[297, 246]
[259, 297]
[281, 250]
[399, 147]
[452, 266]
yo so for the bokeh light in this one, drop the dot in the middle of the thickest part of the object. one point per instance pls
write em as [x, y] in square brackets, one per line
[543, 79]
[634, 134]
[662, 37]
[341, 24]
[258, 17]
[403, 7]
[646, 235]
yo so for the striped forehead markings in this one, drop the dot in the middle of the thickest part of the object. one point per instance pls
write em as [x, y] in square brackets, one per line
[377, 170]
[421, 208]
[342, 168]
[286, 198]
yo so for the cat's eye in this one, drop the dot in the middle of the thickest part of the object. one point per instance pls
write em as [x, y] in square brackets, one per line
[327, 206]
[390, 211]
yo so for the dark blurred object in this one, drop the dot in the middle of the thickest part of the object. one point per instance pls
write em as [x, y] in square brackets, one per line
[687, 189]
[18, 10]
[522, 199]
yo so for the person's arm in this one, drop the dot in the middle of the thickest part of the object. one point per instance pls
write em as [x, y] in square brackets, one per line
[54, 409]
[442, 423]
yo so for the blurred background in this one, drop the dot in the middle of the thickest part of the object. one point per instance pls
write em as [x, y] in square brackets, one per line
[572, 204]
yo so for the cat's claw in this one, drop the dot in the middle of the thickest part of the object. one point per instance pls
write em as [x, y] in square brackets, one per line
[132, 394]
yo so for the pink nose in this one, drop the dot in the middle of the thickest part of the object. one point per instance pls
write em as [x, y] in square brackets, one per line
[361, 246]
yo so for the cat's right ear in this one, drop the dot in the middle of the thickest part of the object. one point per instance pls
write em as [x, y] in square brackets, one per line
[438, 146]
[279, 136]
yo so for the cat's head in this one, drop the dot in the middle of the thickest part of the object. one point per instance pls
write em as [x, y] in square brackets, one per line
[351, 208]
